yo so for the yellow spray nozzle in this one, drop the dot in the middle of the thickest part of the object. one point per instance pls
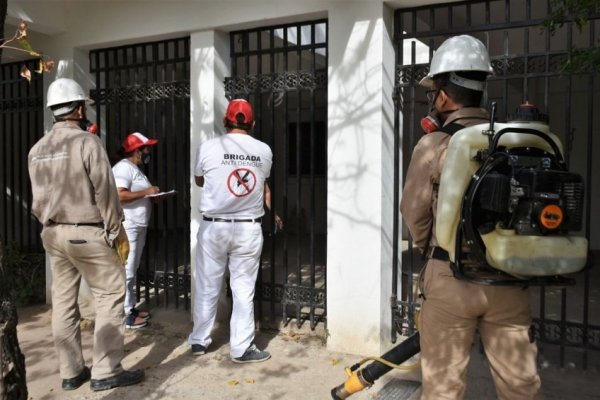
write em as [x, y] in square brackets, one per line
[354, 383]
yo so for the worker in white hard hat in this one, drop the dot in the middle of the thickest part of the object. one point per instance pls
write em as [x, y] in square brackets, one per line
[75, 198]
[453, 310]
[64, 97]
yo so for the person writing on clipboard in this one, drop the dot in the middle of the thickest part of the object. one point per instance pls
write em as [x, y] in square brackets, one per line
[133, 188]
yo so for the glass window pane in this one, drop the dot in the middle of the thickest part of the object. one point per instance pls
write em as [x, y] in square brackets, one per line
[266, 64]
[292, 36]
[252, 41]
[306, 62]
[306, 33]
[237, 42]
[517, 10]
[292, 61]
[321, 33]
[459, 16]
[265, 39]
[278, 33]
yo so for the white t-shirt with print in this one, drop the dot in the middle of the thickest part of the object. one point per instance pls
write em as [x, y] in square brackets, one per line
[129, 176]
[235, 167]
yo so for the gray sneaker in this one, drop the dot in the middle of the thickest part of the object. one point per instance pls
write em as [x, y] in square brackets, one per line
[252, 355]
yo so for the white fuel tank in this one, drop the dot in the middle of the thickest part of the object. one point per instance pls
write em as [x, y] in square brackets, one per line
[506, 251]
[524, 255]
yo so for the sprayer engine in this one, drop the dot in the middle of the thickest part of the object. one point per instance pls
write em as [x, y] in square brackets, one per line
[532, 195]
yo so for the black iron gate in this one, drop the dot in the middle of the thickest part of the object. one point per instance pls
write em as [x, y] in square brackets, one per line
[145, 88]
[21, 125]
[527, 67]
[282, 71]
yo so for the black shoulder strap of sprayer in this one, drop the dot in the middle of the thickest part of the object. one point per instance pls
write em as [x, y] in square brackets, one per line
[451, 128]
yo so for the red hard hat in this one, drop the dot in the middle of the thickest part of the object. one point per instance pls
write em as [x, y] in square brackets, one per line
[239, 106]
[135, 141]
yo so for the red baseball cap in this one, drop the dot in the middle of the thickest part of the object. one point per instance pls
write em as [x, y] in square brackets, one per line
[135, 141]
[239, 106]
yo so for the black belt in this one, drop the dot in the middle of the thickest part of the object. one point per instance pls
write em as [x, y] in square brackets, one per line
[232, 219]
[438, 253]
[96, 224]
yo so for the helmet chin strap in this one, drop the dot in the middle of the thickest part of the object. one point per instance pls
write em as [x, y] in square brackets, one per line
[82, 122]
[74, 119]
[433, 110]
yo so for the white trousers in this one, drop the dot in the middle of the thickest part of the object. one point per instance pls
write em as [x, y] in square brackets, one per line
[137, 239]
[222, 245]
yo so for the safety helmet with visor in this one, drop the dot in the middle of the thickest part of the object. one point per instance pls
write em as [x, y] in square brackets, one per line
[459, 54]
[64, 95]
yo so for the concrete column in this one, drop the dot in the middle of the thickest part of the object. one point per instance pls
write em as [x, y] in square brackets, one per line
[209, 52]
[360, 172]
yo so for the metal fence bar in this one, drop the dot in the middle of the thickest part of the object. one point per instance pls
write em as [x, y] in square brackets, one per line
[587, 343]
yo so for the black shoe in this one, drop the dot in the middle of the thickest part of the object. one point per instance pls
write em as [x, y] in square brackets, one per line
[133, 322]
[74, 383]
[125, 378]
[198, 350]
[142, 314]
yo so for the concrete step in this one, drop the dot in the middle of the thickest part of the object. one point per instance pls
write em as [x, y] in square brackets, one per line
[399, 389]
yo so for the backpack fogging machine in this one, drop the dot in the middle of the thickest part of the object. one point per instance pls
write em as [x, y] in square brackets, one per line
[506, 206]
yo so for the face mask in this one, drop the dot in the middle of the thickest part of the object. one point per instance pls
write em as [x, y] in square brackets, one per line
[430, 122]
[83, 122]
[91, 127]
[146, 157]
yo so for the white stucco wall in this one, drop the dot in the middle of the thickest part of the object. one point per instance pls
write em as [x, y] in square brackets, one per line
[360, 172]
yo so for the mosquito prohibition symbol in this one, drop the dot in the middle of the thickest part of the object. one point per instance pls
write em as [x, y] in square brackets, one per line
[241, 182]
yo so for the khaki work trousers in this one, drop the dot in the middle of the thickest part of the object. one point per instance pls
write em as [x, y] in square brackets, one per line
[76, 252]
[451, 313]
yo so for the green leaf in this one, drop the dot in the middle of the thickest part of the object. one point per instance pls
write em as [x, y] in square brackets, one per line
[25, 44]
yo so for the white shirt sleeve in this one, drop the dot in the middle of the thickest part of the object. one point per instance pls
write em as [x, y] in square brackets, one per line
[198, 170]
[267, 165]
[123, 175]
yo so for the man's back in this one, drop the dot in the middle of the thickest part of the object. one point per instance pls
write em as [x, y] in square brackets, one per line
[235, 167]
[71, 178]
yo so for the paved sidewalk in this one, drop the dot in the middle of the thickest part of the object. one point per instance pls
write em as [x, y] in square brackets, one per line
[301, 367]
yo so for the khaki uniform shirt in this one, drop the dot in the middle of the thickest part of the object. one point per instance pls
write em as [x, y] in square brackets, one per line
[419, 198]
[72, 181]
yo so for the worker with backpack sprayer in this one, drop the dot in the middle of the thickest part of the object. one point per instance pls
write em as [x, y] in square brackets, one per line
[490, 207]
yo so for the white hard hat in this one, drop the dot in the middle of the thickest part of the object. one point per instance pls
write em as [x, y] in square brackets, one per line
[64, 91]
[459, 53]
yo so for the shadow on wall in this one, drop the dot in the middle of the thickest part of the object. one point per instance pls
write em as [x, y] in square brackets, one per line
[353, 131]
